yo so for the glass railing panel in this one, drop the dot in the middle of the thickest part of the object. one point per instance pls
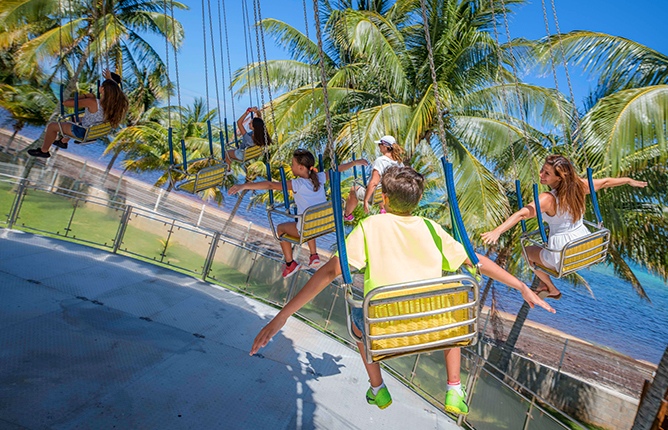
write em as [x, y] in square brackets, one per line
[430, 375]
[231, 264]
[337, 321]
[7, 197]
[403, 366]
[541, 420]
[266, 280]
[146, 235]
[495, 406]
[187, 248]
[95, 223]
[45, 212]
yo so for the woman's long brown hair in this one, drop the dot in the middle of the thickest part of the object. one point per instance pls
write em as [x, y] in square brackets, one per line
[398, 153]
[114, 103]
[259, 133]
[570, 190]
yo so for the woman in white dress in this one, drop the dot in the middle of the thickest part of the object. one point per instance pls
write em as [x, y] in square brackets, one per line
[562, 208]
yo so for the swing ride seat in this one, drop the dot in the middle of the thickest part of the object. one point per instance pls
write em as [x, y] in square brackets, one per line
[252, 152]
[93, 132]
[416, 317]
[208, 177]
[578, 254]
[377, 197]
[316, 221]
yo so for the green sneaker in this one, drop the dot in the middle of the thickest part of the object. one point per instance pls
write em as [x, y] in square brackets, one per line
[456, 404]
[382, 399]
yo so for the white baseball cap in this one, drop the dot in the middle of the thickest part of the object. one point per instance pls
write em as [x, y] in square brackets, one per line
[387, 140]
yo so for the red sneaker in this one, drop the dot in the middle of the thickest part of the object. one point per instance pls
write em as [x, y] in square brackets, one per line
[290, 269]
[314, 261]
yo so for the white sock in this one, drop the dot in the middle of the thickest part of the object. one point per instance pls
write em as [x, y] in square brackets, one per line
[375, 390]
[457, 387]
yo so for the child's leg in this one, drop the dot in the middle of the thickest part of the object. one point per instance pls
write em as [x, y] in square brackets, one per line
[453, 363]
[533, 253]
[352, 201]
[51, 134]
[373, 369]
[311, 246]
[289, 228]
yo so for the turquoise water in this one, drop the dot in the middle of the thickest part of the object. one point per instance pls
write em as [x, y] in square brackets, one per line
[616, 317]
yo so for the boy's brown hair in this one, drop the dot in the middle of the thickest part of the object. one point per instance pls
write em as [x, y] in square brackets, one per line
[403, 188]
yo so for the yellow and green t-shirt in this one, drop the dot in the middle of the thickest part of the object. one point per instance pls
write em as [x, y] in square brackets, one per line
[397, 249]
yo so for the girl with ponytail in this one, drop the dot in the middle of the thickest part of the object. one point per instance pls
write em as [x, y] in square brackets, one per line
[308, 189]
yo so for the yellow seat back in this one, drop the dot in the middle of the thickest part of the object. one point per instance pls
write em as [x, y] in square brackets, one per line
[420, 318]
[97, 131]
[209, 177]
[585, 254]
[252, 152]
[377, 196]
[317, 221]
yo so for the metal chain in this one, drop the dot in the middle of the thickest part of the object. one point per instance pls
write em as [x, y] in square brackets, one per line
[578, 125]
[515, 75]
[432, 69]
[249, 48]
[106, 40]
[222, 63]
[169, 81]
[506, 107]
[176, 67]
[266, 67]
[329, 147]
[256, 17]
[564, 123]
[206, 68]
[215, 70]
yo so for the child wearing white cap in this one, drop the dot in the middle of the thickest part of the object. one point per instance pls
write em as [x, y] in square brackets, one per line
[391, 155]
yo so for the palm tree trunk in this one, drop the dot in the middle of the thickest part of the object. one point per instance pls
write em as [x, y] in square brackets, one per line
[112, 161]
[650, 403]
[501, 259]
[234, 210]
[514, 335]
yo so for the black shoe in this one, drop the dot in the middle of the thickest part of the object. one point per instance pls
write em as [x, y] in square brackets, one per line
[38, 153]
[60, 144]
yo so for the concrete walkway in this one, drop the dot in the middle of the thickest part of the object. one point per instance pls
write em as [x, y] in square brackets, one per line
[89, 339]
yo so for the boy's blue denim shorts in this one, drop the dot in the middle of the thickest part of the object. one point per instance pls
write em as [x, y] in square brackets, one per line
[78, 131]
[357, 315]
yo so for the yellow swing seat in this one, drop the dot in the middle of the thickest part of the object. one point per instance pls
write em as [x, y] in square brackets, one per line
[208, 177]
[252, 153]
[93, 133]
[416, 317]
[316, 221]
[578, 254]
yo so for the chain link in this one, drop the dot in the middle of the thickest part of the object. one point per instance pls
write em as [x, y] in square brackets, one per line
[432, 69]
[329, 147]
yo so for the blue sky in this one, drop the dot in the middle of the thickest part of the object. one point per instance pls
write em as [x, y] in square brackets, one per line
[641, 21]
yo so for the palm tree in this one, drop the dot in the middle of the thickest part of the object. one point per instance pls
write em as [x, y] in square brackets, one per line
[379, 83]
[84, 35]
[27, 105]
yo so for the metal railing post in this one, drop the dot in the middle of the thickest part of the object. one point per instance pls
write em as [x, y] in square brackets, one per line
[14, 213]
[561, 362]
[125, 219]
[210, 255]
[527, 420]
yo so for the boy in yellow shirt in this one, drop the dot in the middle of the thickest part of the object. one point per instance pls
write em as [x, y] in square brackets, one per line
[395, 248]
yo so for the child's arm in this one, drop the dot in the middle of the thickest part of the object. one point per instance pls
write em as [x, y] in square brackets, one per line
[263, 185]
[599, 184]
[320, 279]
[349, 165]
[491, 269]
[242, 118]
